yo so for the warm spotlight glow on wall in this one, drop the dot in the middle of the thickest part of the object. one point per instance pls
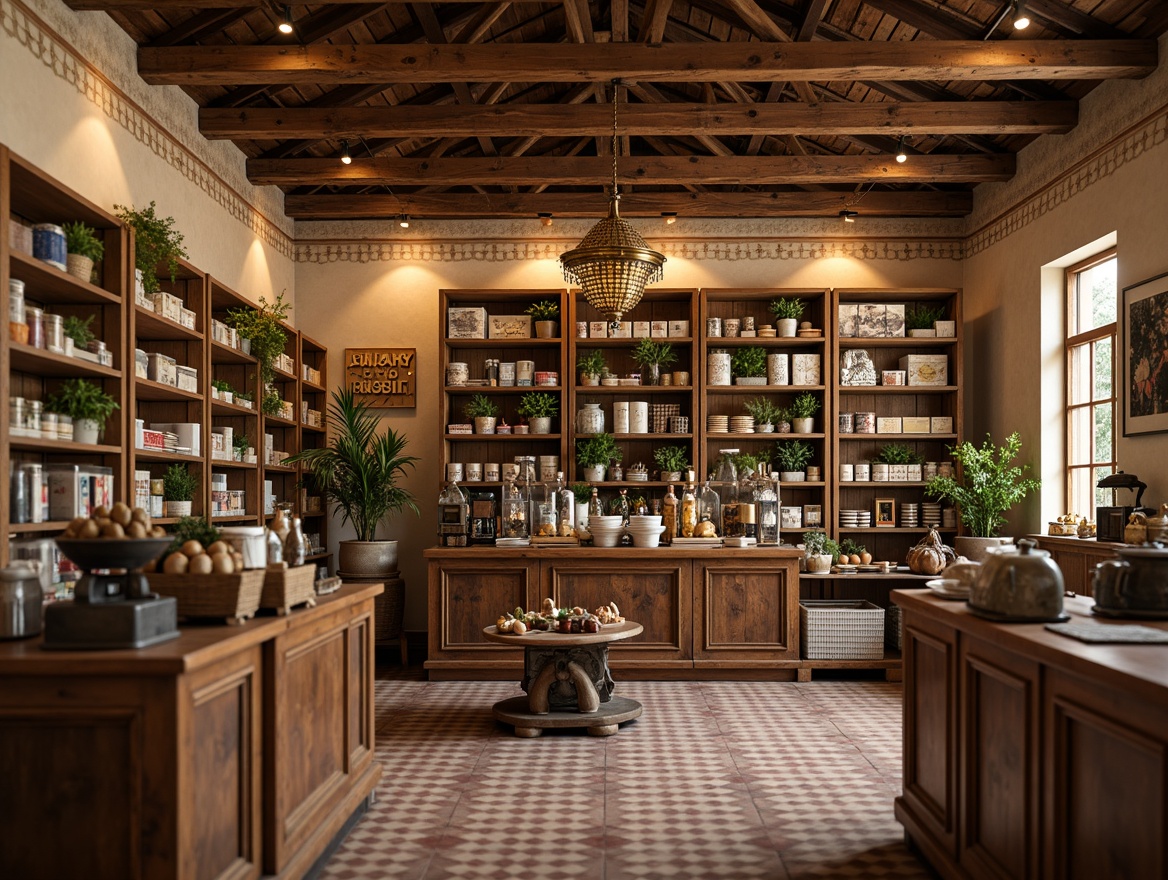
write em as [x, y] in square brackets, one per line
[848, 216]
[545, 218]
[345, 157]
[670, 217]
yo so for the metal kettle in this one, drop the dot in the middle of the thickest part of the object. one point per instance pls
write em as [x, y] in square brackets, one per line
[1019, 584]
[1135, 585]
[21, 598]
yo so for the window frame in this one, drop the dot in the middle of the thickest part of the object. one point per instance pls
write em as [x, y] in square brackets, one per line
[1072, 342]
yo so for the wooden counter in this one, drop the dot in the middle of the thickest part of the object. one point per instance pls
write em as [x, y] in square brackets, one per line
[706, 612]
[1028, 754]
[230, 751]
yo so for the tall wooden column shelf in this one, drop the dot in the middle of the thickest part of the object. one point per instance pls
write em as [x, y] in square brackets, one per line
[313, 396]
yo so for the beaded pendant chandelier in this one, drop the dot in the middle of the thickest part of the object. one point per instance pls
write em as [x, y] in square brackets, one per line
[613, 263]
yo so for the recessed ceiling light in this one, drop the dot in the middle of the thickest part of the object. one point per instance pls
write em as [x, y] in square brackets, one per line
[404, 221]
[545, 218]
[848, 216]
[670, 217]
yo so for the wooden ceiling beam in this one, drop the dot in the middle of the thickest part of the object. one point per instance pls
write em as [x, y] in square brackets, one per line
[125, 5]
[602, 62]
[593, 205]
[639, 170]
[544, 120]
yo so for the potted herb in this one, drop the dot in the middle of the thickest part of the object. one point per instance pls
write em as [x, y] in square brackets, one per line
[272, 404]
[222, 390]
[651, 356]
[986, 486]
[484, 412]
[358, 472]
[156, 243]
[264, 328]
[820, 552]
[77, 333]
[84, 249]
[787, 311]
[591, 366]
[897, 459]
[245, 398]
[803, 410]
[179, 486]
[539, 408]
[783, 420]
[792, 457]
[745, 463]
[582, 493]
[748, 365]
[86, 404]
[594, 454]
[764, 412]
[919, 319]
[240, 444]
[546, 315]
[671, 461]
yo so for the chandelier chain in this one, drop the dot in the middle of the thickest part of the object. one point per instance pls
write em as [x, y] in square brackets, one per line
[615, 189]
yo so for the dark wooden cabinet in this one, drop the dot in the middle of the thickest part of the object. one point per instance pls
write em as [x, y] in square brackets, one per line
[744, 613]
[1028, 754]
[1076, 559]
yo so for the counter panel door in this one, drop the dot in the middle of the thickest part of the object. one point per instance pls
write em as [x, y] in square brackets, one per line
[746, 612]
[999, 762]
[466, 596]
[655, 594]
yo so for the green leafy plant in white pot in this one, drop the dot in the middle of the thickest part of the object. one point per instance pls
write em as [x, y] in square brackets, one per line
[803, 410]
[671, 462]
[86, 404]
[591, 367]
[359, 473]
[748, 365]
[820, 552]
[765, 414]
[539, 408]
[179, 486]
[594, 454]
[484, 412]
[787, 311]
[792, 457]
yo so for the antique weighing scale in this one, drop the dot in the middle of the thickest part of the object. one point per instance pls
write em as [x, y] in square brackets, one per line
[112, 604]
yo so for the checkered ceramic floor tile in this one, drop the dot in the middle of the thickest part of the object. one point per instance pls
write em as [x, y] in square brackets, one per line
[726, 780]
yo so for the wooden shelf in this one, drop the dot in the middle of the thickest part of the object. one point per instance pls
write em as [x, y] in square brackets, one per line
[222, 408]
[500, 438]
[763, 341]
[845, 438]
[876, 530]
[584, 390]
[279, 421]
[151, 326]
[531, 342]
[48, 526]
[279, 468]
[626, 342]
[312, 387]
[37, 444]
[896, 341]
[28, 359]
[49, 285]
[163, 455]
[640, 436]
[225, 354]
[145, 389]
[313, 429]
[225, 463]
[234, 517]
[491, 390]
[761, 389]
[716, 436]
[895, 389]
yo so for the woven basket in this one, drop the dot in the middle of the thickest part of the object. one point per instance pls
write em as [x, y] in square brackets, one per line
[231, 597]
[841, 630]
[288, 587]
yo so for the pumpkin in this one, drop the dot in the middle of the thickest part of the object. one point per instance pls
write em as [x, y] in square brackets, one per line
[930, 555]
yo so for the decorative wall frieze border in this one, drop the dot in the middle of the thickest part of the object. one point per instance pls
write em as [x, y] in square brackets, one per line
[20, 24]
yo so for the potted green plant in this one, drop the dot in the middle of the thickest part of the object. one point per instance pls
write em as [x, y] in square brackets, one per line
[156, 243]
[897, 459]
[83, 248]
[591, 367]
[582, 494]
[546, 316]
[263, 327]
[240, 444]
[787, 311]
[179, 486]
[987, 484]
[594, 454]
[803, 410]
[539, 408]
[272, 404]
[651, 356]
[87, 404]
[748, 365]
[78, 334]
[671, 461]
[222, 390]
[358, 472]
[919, 320]
[245, 398]
[764, 412]
[792, 457]
[783, 420]
[820, 552]
[745, 463]
[484, 412]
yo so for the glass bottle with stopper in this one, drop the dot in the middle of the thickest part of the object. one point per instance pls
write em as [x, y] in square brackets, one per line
[453, 516]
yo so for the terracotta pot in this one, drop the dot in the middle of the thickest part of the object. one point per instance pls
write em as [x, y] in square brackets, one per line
[547, 329]
[367, 558]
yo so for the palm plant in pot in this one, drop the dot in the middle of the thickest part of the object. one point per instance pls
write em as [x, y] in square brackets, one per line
[651, 356]
[179, 486]
[546, 315]
[539, 408]
[987, 484]
[484, 412]
[358, 472]
[803, 410]
[748, 365]
[792, 457]
[84, 249]
[591, 367]
[87, 404]
[787, 311]
[671, 461]
[594, 454]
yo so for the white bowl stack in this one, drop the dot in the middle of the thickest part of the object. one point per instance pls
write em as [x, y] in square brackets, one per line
[607, 530]
[646, 531]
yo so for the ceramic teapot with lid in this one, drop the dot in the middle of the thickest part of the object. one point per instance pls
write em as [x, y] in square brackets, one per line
[1019, 584]
[1135, 585]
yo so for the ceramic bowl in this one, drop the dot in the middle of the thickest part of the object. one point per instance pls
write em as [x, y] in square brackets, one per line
[643, 520]
[609, 520]
[647, 537]
[607, 539]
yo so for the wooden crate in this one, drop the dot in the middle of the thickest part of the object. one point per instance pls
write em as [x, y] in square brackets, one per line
[288, 587]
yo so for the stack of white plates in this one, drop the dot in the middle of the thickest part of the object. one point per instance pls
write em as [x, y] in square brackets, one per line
[717, 424]
[741, 424]
[931, 514]
[910, 515]
[949, 588]
[855, 519]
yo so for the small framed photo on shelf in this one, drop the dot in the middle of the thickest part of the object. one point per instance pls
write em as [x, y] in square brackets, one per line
[791, 518]
[812, 515]
[885, 513]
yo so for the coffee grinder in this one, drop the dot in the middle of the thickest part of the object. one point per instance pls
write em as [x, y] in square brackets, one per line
[112, 604]
[1110, 521]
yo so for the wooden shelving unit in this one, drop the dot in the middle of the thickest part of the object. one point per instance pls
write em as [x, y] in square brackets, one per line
[313, 395]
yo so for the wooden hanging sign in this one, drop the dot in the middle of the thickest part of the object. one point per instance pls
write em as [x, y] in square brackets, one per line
[382, 377]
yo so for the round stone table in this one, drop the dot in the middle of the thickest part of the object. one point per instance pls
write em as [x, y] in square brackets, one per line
[567, 681]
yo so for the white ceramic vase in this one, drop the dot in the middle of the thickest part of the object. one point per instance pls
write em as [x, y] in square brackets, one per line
[86, 431]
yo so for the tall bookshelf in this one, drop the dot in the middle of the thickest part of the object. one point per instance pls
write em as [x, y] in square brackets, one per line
[313, 396]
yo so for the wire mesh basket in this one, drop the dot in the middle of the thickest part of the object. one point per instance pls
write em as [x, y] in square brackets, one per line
[833, 629]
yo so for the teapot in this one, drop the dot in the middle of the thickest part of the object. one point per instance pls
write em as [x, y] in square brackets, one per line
[1018, 584]
[21, 597]
[1135, 585]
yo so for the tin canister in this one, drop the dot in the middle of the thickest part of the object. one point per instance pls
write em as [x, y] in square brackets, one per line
[864, 422]
[846, 423]
[48, 244]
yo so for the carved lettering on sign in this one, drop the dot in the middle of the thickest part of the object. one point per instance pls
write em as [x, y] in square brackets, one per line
[382, 377]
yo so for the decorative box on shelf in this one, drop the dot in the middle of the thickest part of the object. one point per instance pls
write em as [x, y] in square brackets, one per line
[806, 369]
[915, 425]
[187, 318]
[941, 425]
[926, 369]
[658, 329]
[162, 368]
[187, 378]
[141, 364]
[460, 429]
[168, 306]
[889, 425]
[623, 330]
[945, 329]
[597, 329]
[464, 322]
[509, 326]
[641, 329]
[679, 328]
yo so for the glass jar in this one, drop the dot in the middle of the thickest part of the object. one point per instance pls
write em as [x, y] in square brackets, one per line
[545, 510]
[669, 510]
[17, 495]
[766, 507]
[35, 318]
[590, 419]
[17, 324]
[54, 333]
[688, 517]
[274, 546]
[295, 548]
[49, 426]
[709, 505]
[514, 511]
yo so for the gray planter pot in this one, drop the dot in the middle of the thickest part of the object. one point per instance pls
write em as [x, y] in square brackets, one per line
[750, 380]
[803, 426]
[367, 558]
[485, 424]
[540, 425]
[594, 474]
[977, 549]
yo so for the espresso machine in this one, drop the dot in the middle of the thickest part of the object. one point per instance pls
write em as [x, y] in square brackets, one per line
[1110, 521]
[484, 517]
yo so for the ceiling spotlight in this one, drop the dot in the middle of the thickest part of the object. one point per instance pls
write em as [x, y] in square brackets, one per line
[901, 155]
[285, 27]
[848, 216]
[670, 217]
[345, 157]
[1021, 19]
[404, 221]
[545, 218]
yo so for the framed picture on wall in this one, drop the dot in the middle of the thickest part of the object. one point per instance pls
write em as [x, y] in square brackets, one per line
[885, 512]
[1145, 357]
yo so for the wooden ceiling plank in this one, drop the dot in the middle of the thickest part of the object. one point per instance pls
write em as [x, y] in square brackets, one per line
[1072, 20]
[640, 170]
[198, 26]
[619, 13]
[543, 120]
[602, 62]
[122, 5]
[592, 205]
[656, 14]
